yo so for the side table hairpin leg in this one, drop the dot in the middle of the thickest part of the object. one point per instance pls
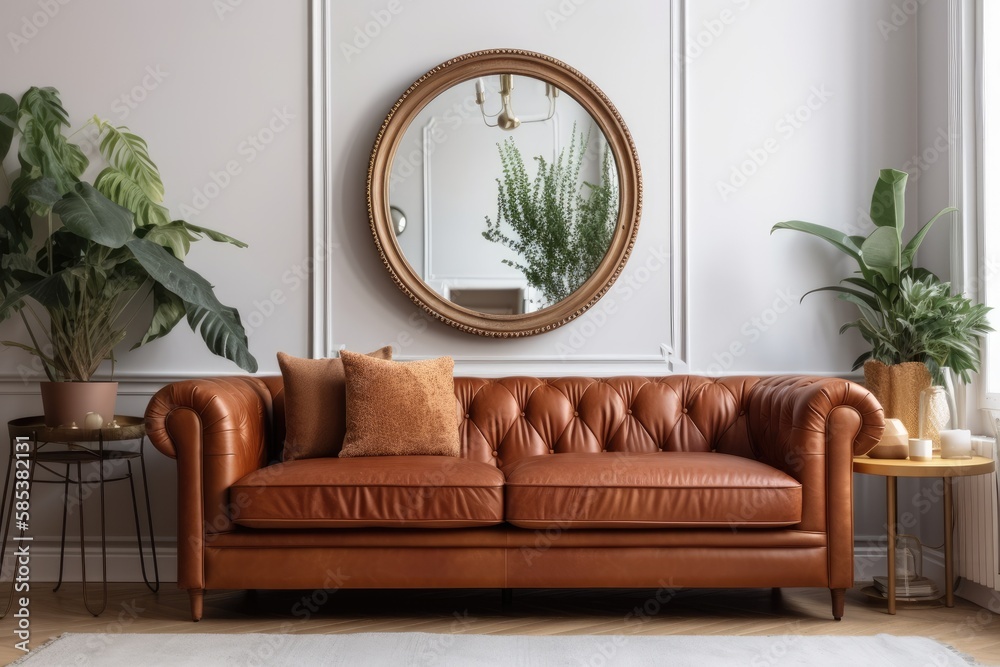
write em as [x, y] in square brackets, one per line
[149, 518]
[62, 539]
[890, 504]
[949, 562]
[149, 515]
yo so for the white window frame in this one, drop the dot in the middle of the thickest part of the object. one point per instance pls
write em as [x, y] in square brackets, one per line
[967, 178]
[988, 203]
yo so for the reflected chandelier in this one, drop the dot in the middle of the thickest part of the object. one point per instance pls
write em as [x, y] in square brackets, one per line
[505, 118]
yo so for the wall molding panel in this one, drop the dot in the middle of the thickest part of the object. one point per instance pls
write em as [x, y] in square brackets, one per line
[663, 222]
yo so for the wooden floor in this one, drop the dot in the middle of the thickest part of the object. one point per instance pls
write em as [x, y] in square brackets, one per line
[132, 608]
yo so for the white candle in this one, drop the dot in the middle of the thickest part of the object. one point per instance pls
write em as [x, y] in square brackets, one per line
[920, 449]
[956, 443]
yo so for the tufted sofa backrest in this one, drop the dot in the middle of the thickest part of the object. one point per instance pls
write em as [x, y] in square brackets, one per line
[505, 419]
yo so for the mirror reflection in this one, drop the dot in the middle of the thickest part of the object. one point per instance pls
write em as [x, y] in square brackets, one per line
[511, 194]
[398, 218]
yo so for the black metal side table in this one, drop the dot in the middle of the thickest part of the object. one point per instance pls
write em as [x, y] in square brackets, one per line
[76, 447]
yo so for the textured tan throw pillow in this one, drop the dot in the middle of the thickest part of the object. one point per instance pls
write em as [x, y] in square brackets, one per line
[397, 409]
[315, 404]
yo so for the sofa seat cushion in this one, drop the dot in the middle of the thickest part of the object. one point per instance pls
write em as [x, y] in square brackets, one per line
[649, 490]
[364, 492]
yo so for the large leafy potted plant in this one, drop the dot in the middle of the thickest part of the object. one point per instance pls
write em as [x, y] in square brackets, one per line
[80, 260]
[915, 326]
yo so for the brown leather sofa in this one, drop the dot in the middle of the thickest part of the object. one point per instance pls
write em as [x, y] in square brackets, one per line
[677, 481]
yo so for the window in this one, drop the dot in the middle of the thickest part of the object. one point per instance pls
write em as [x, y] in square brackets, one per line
[990, 190]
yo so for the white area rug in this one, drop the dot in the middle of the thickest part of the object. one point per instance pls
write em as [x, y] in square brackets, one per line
[411, 648]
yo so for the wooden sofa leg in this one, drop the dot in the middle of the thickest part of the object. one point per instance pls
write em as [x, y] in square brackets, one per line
[197, 603]
[837, 596]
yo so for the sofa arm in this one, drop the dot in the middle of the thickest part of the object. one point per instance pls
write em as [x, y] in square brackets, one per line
[791, 416]
[812, 428]
[217, 429]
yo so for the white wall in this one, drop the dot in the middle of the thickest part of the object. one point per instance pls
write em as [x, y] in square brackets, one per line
[220, 80]
[758, 62]
[822, 110]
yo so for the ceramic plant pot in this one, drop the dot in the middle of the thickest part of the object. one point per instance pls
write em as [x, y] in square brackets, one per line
[67, 403]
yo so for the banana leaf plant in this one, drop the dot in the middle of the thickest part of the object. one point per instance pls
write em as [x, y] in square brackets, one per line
[907, 312]
[105, 248]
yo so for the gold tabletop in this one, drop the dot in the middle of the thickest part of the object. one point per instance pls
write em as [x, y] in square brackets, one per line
[129, 428]
[936, 467]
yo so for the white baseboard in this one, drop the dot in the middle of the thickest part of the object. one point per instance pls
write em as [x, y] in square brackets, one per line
[123, 560]
[981, 595]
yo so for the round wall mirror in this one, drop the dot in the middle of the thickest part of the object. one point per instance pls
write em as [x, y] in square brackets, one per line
[521, 187]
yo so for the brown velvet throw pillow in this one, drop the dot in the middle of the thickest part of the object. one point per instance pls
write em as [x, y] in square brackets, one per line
[397, 409]
[315, 404]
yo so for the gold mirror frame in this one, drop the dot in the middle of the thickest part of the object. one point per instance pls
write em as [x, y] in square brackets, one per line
[589, 96]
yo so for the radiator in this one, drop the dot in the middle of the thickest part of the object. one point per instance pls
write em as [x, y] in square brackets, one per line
[977, 520]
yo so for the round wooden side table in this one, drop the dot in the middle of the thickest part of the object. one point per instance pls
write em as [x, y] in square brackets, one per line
[946, 469]
[74, 448]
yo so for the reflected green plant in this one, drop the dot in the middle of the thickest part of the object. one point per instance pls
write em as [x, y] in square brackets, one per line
[559, 226]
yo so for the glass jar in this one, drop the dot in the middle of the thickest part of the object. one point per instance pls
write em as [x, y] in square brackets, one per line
[937, 410]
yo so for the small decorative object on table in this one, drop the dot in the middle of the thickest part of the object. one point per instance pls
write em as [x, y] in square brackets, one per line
[956, 443]
[920, 449]
[893, 444]
[937, 411]
[939, 418]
